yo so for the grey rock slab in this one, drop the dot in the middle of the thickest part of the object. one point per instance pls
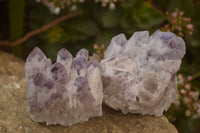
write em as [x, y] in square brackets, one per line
[15, 118]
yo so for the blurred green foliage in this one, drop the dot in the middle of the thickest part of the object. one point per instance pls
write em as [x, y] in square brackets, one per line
[16, 15]
[97, 25]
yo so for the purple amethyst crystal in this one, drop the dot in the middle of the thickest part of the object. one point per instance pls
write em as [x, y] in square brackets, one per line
[67, 92]
[139, 74]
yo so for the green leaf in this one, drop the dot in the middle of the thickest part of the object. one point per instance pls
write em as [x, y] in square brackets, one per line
[147, 16]
[187, 125]
[133, 4]
[196, 18]
[194, 39]
[111, 18]
[161, 4]
[128, 25]
[105, 37]
[17, 13]
[56, 34]
[83, 26]
[73, 36]
[40, 16]
[183, 5]
[51, 50]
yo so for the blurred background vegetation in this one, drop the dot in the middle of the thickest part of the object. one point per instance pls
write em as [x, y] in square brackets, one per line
[93, 29]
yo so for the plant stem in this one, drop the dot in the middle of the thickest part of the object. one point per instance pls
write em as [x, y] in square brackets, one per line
[42, 29]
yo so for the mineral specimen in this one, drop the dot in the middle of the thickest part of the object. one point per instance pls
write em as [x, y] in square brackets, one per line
[67, 92]
[139, 74]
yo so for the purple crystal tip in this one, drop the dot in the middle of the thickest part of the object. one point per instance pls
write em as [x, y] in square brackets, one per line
[63, 92]
[139, 74]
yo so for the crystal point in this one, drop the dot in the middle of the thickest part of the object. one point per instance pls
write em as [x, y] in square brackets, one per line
[82, 53]
[140, 76]
[63, 93]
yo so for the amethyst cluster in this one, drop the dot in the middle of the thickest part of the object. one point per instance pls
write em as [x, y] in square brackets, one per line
[66, 92]
[139, 74]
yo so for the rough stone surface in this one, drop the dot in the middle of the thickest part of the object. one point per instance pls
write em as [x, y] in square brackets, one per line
[139, 74]
[15, 119]
[67, 92]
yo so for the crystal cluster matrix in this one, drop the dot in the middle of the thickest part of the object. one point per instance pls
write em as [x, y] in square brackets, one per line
[139, 74]
[67, 92]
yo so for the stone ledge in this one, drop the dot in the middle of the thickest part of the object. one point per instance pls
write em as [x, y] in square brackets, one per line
[14, 118]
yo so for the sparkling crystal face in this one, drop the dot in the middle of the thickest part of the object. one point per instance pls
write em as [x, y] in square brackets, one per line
[66, 92]
[139, 74]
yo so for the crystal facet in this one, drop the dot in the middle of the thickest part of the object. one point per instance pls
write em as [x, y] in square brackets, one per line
[67, 92]
[139, 74]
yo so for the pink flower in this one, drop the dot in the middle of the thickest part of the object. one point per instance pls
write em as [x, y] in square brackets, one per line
[106, 1]
[189, 78]
[174, 20]
[174, 14]
[180, 28]
[183, 91]
[192, 93]
[185, 100]
[176, 102]
[185, 19]
[181, 13]
[102, 46]
[188, 86]
[190, 100]
[190, 33]
[95, 46]
[180, 76]
[180, 34]
[81, 1]
[172, 28]
[103, 4]
[112, 6]
[190, 26]
[166, 26]
[195, 105]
